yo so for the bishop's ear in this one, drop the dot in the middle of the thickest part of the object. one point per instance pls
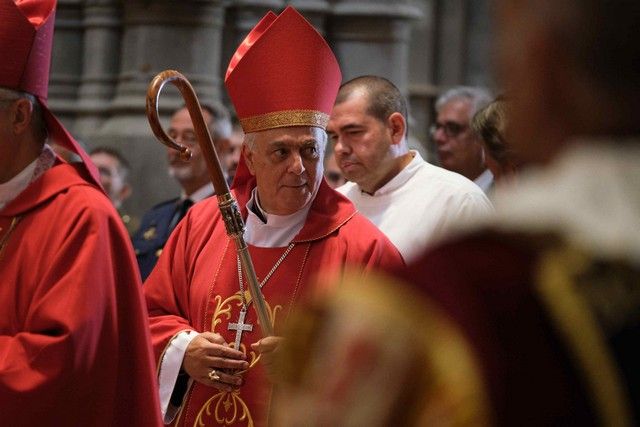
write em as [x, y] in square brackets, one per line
[21, 111]
[248, 157]
[397, 125]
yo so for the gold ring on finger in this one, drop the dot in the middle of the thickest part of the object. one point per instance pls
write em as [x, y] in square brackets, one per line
[213, 375]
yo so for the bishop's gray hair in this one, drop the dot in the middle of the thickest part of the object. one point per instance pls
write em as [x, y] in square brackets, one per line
[250, 140]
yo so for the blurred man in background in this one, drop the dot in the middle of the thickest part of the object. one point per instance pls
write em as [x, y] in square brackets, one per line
[114, 172]
[193, 177]
[459, 148]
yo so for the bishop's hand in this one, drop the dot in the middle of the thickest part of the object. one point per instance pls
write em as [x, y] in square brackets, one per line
[210, 361]
[269, 348]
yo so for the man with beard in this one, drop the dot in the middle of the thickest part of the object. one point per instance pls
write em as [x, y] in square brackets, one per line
[193, 177]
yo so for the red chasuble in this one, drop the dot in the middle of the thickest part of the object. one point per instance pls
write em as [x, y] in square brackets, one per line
[195, 287]
[74, 341]
[537, 313]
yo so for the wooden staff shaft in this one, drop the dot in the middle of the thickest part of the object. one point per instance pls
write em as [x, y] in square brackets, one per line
[228, 205]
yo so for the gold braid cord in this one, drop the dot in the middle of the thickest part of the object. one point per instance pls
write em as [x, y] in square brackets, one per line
[573, 295]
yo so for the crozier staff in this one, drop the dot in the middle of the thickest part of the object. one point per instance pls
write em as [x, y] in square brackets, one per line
[228, 206]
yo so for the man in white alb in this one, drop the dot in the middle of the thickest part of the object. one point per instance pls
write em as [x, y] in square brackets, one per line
[412, 202]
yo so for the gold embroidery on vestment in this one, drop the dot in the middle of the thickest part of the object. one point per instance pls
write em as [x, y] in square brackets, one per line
[566, 301]
[228, 407]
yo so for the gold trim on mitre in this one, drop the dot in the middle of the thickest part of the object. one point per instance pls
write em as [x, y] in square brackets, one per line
[280, 119]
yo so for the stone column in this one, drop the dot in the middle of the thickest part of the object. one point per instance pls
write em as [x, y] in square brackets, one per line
[161, 34]
[165, 34]
[103, 26]
[66, 61]
[452, 18]
[372, 37]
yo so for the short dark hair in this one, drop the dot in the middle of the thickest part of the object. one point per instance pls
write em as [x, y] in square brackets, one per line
[383, 97]
[124, 165]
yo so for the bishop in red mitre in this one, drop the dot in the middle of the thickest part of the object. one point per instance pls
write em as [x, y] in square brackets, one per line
[282, 80]
[74, 341]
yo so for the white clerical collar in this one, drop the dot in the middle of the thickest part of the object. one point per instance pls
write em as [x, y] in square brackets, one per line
[200, 194]
[401, 178]
[16, 185]
[279, 230]
[484, 180]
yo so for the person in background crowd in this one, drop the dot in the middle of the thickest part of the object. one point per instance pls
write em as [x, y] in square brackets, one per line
[459, 148]
[114, 172]
[490, 124]
[192, 175]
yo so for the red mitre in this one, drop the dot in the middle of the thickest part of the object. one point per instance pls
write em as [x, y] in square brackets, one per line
[283, 74]
[26, 35]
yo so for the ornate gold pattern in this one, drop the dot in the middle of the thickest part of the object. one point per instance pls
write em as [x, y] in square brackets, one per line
[229, 404]
[149, 233]
[287, 118]
[557, 278]
[229, 407]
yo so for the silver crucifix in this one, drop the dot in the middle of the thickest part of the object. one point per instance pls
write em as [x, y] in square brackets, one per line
[240, 327]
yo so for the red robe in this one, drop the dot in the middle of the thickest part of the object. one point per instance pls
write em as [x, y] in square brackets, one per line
[74, 341]
[492, 328]
[195, 287]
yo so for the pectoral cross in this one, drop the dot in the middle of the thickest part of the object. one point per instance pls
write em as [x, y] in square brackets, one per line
[240, 327]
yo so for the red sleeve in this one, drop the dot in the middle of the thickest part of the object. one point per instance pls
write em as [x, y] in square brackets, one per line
[167, 290]
[371, 250]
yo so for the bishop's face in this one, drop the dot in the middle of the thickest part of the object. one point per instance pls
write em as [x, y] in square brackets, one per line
[287, 164]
